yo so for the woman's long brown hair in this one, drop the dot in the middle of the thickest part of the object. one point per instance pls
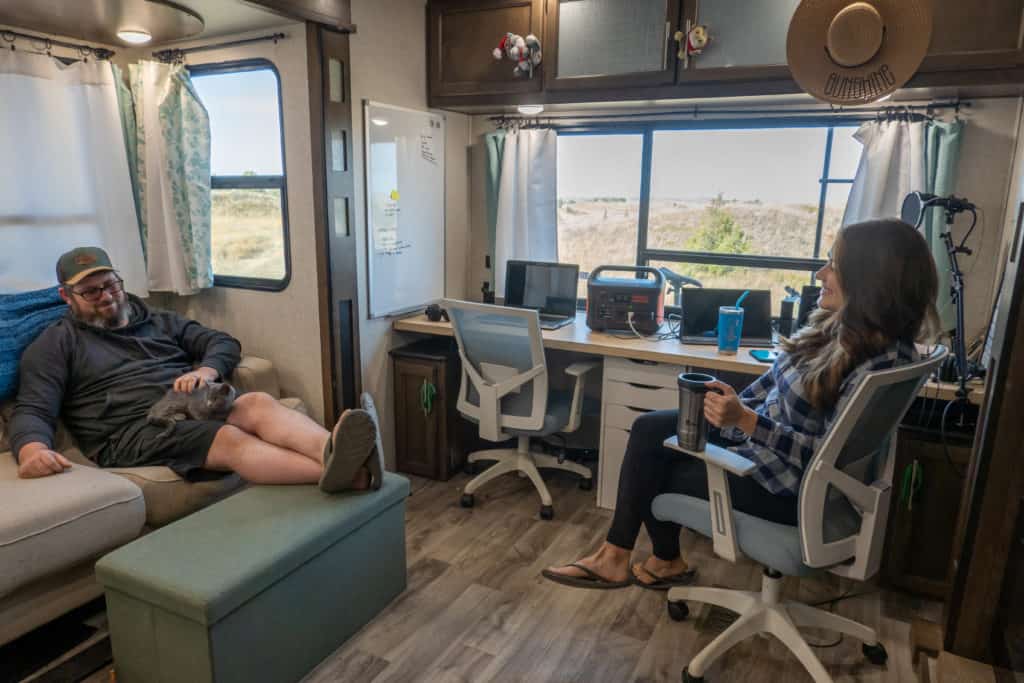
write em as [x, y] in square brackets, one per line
[888, 279]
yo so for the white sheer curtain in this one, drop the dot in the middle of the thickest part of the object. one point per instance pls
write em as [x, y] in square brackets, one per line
[64, 178]
[527, 223]
[891, 166]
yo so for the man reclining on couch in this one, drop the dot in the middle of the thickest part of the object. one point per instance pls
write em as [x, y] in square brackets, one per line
[103, 366]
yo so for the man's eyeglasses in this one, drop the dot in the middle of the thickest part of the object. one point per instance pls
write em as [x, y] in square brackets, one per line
[94, 294]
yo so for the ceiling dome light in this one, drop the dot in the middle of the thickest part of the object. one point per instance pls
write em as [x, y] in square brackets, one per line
[134, 36]
[530, 109]
[379, 122]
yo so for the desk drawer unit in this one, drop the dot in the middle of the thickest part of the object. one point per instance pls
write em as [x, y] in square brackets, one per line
[630, 389]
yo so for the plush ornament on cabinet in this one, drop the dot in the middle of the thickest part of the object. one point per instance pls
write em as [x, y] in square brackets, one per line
[692, 41]
[525, 52]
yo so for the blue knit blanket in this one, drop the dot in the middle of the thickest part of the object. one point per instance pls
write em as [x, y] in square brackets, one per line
[22, 317]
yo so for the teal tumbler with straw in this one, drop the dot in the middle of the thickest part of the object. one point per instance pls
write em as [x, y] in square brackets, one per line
[730, 326]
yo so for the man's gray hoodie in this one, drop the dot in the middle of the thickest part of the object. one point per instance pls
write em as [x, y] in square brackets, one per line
[99, 380]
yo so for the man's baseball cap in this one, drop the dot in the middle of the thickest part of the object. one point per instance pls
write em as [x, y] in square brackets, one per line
[78, 263]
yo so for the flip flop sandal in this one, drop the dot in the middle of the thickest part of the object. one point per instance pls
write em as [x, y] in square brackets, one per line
[592, 579]
[663, 583]
[353, 443]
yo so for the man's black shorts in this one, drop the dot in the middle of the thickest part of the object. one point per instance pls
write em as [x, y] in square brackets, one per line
[184, 449]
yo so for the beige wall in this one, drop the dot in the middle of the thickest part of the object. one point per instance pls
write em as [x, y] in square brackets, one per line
[387, 54]
[281, 326]
[986, 164]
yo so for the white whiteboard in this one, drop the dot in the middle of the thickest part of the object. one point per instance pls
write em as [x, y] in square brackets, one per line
[404, 207]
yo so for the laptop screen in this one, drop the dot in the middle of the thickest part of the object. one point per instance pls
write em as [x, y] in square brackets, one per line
[700, 312]
[547, 287]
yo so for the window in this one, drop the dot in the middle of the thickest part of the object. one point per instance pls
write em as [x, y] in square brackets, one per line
[733, 206]
[598, 200]
[249, 228]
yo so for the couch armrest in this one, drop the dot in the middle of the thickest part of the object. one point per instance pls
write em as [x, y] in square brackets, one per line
[256, 374]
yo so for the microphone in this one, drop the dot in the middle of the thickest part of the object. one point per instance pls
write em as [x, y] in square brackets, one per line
[949, 203]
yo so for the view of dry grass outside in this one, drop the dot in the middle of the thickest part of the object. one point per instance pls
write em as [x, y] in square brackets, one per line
[247, 235]
[763, 201]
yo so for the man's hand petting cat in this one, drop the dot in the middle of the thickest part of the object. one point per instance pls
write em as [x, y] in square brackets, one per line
[190, 380]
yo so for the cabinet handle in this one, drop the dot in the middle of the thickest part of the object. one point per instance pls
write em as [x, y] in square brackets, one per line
[638, 410]
[637, 385]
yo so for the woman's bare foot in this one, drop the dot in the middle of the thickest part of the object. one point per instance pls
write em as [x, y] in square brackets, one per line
[654, 568]
[609, 562]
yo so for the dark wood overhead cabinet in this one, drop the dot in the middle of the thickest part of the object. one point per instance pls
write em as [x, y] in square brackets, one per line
[613, 50]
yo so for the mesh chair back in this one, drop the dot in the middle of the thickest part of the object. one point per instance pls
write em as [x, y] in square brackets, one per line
[500, 348]
[846, 488]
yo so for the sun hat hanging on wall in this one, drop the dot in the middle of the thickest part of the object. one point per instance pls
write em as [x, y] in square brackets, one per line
[856, 51]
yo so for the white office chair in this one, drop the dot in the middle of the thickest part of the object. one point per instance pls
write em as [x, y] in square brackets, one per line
[504, 389]
[843, 510]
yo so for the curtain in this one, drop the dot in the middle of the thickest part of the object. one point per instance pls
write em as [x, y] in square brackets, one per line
[901, 157]
[942, 157]
[526, 222]
[494, 144]
[892, 165]
[64, 179]
[173, 176]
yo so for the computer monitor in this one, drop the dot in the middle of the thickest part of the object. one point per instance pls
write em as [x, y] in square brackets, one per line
[700, 315]
[549, 288]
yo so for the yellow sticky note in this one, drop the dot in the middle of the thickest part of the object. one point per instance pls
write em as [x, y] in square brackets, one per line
[394, 195]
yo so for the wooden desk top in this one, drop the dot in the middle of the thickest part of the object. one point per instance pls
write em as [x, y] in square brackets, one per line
[581, 339]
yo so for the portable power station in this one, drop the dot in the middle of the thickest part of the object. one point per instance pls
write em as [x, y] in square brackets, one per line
[610, 300]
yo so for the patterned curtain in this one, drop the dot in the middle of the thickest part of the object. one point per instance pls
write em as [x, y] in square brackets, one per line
[173, 176]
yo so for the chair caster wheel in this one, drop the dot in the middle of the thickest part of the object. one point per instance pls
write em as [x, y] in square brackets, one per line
[586, 484]
[678, 611]
[547, 512]
[875, 654]
[687, 678]
[467, 500]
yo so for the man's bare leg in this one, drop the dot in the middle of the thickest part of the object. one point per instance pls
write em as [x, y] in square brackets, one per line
[262, 415]
[259, 462]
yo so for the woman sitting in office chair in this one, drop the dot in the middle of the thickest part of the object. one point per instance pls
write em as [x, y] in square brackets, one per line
[877, 298]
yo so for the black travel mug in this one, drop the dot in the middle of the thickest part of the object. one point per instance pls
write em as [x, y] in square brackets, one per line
[691, 426]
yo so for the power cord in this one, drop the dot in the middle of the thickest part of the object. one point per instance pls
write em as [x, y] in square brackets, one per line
[832, 602]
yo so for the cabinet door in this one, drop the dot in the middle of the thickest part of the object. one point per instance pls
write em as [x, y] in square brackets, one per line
[610, 43]
[416, 430]
[748, 39]
[975, 34]
[461, 34]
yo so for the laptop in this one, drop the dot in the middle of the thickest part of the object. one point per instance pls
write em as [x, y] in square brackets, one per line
[548, 288]
[700, 315]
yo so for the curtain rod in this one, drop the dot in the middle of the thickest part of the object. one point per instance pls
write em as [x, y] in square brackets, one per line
[48, 43]
[178, 55]
[696, 112]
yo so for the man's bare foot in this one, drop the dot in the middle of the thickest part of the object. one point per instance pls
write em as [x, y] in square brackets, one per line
[609, 562]
[655, 568]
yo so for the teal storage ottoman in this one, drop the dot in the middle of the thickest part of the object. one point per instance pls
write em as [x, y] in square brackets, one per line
[259, 587]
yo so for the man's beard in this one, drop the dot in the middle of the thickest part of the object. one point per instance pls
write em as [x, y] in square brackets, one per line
[118, 317]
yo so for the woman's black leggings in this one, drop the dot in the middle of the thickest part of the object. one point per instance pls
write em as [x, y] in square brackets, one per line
[650, 469]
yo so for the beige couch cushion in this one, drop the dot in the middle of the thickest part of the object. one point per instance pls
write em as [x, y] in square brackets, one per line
[55, 522]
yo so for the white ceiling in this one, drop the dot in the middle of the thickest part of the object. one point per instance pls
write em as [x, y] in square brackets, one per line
[224, 17]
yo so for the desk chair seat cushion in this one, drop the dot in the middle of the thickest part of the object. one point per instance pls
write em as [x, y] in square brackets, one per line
[770, 544]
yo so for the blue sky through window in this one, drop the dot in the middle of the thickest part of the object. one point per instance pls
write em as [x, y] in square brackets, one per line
[245, 128]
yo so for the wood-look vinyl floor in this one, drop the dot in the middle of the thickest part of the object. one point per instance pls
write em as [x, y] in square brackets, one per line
[477, 610]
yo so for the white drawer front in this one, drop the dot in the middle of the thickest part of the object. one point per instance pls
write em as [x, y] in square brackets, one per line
[643, 396]
[613, 450]
[621, 417]
[642, 372]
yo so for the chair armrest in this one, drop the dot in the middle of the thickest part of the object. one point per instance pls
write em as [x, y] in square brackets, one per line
[719, 461]
[256, 374]
[581, 368]
[718, 456]
[579, 371]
